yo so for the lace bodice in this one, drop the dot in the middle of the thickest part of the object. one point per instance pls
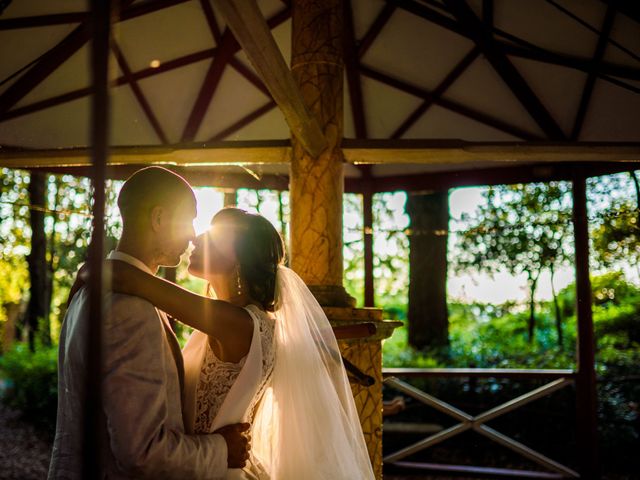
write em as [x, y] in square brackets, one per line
[217, 377]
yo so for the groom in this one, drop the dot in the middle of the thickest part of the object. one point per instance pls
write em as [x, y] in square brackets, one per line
[142, 431]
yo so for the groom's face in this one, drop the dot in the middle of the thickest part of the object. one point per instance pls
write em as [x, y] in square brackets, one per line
[176, 231]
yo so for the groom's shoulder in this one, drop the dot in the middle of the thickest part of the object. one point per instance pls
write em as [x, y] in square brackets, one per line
[120, 304]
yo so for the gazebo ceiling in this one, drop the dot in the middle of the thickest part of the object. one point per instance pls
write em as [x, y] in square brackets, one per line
[493, 73]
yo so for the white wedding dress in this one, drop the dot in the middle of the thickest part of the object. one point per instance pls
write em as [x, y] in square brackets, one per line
[292, 388]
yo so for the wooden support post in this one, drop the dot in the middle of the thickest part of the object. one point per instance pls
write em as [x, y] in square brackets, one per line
[101, 14]
[367, 205]
[316, 189]
[587, 430]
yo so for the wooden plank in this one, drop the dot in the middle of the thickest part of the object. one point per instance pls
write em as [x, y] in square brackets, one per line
[489, 472]
[500, 175]
[218, 153]
[478, 372]
[252, 32]
[458, 154]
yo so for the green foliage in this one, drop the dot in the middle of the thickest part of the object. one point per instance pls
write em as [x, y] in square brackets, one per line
[495, 337]
[520, 228]
[353, 252]
[32, 383]
[68, 231]
[391, 252]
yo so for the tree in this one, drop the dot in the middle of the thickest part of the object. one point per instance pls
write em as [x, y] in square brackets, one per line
[428, 319]
[49, 218]
[391, 252]
[616, 228]
[523, 229]
[14, 245]
[38, 309]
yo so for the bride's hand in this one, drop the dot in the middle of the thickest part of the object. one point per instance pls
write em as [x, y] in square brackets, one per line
[122, 275]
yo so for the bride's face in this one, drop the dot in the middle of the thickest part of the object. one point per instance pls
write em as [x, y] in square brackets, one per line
[214, 252]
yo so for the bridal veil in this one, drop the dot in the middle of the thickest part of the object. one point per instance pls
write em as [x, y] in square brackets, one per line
[307, 425]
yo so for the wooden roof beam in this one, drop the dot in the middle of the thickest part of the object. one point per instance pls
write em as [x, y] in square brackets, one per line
[78, 17]
[122, 80]
[435, 152]
[138, 93]
[585, 99]
[440, 152]
[451, 105]
[503, 66]
[252, 32]
[352, 63]
[517, 46]
[442, 180]
[437, 92]
[60, 53]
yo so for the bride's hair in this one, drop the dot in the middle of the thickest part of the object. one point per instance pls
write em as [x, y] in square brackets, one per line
[259, 249]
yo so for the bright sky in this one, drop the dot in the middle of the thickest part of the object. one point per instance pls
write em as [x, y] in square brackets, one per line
[210, 201]
[478, 287]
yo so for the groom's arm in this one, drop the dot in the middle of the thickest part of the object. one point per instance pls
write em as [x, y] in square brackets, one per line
[142, 440]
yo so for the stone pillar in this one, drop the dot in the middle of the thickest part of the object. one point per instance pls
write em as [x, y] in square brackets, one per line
[316, 189]
[366, 354]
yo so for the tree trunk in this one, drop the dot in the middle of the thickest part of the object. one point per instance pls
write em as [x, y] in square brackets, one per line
[428, 316]
[557, 311]
[230, 198]
[12, 311]
[283, 224]
[533, 283]
[52, 265]
[38, 310]
[636, 184]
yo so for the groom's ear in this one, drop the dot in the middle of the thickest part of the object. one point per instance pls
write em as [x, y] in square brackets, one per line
[157, 218]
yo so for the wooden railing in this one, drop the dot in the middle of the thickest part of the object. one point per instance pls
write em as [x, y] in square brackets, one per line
[558, 380]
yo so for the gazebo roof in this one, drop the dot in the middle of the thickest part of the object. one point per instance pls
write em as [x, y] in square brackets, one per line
[428, 87]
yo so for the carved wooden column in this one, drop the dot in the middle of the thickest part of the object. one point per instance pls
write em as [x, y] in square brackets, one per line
[317, 184]
[316, 189]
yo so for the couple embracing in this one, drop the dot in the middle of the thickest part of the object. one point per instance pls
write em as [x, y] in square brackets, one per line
[258, 392]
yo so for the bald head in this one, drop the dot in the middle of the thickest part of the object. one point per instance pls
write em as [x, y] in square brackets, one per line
[148, 188]
[158, 208]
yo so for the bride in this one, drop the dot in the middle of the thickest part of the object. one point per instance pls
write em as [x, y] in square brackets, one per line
[262, 352]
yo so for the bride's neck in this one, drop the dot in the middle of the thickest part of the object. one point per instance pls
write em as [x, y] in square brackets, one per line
[227, 289]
